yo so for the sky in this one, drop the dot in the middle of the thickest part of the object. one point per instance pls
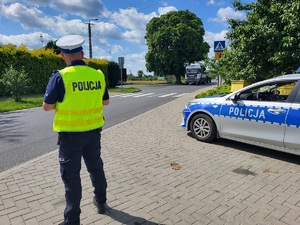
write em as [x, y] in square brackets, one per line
[119, 29]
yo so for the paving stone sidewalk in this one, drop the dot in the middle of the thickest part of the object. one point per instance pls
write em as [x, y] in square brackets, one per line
[158, 174]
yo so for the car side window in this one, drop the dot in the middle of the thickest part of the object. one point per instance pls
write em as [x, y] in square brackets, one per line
[277, 92]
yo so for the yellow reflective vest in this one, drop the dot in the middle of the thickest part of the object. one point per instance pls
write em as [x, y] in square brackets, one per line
[82, 107]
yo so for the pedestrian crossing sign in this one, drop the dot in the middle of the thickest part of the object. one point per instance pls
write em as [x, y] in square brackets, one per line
[219, 46]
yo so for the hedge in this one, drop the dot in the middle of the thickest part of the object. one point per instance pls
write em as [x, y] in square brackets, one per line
[39, 64]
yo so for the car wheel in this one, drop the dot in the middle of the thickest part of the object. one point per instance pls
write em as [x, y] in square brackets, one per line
[203, 128]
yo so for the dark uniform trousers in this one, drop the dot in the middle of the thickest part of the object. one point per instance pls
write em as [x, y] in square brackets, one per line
[73, 146]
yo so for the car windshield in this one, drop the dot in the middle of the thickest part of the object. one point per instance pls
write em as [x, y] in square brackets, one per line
[274, 91]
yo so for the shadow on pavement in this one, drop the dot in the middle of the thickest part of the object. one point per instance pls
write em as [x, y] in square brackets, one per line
[259, 151]
[125, 218]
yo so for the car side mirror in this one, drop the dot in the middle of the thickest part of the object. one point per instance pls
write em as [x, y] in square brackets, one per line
[234, 98]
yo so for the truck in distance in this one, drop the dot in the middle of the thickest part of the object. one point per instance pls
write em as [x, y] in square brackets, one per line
[195, 74]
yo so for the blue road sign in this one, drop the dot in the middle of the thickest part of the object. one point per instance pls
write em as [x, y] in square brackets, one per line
[219, 46]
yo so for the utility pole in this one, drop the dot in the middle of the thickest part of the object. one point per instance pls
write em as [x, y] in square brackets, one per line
[90, 35]
[42, 39]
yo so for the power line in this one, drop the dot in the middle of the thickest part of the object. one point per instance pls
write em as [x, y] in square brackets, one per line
[149, 6]
[142, 5]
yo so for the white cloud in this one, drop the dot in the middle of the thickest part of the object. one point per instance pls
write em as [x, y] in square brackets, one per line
[97, 51]
[130, 19]
[115, 49]
[135, 62]
[36, 3]
[63, 27]
[102, 41]
[31, 41]
[224, 14]
[28, 17]
[134, 36]
[210, 38]
[132, 23]
[83, 8]
[211, 2]
[113, 35]
[164, 3]
[164, 10]
[216, 2]
[106, 30]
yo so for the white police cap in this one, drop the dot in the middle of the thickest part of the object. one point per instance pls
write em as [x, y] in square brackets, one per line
[70, 43]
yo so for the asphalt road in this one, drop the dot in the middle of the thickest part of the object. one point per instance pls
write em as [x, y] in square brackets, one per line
[158, 174]
[27, 134]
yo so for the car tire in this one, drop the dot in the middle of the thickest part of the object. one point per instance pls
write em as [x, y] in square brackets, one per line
[203, 128]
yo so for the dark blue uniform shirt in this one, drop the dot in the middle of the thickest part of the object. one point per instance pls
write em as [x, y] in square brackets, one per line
[55, 90]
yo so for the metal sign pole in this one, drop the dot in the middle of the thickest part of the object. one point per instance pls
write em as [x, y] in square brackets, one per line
[121, 66]
[121, 79]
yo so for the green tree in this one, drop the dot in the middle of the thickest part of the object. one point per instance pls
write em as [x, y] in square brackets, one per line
[215, 67]
[15, 82]
[266, 43]
[130, 76]
[174, 39]
[140, 74]
[52, 45]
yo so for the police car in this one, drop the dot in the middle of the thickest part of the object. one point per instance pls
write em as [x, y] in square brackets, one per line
[266, 114]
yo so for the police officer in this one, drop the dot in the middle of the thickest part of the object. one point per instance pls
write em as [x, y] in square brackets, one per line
[78, 94]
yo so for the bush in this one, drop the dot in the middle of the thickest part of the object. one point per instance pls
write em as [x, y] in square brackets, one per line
[39, 64]
[170, 78]
[224, 89]
[99, 64]
[15, 82]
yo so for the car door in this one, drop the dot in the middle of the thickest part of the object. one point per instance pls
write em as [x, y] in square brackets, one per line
[292, 132]
[254, 119]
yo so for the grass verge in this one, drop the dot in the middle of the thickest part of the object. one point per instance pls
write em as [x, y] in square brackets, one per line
[145, 82]
[26, 103]
[124, 89]
[8, 104]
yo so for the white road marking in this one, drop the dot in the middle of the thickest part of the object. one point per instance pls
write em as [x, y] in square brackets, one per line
[179, 95]
[138, 95]
[163, 96]
[142, 95]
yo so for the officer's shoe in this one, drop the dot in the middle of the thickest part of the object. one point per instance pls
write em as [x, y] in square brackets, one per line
[100, 207]
[63, 223]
